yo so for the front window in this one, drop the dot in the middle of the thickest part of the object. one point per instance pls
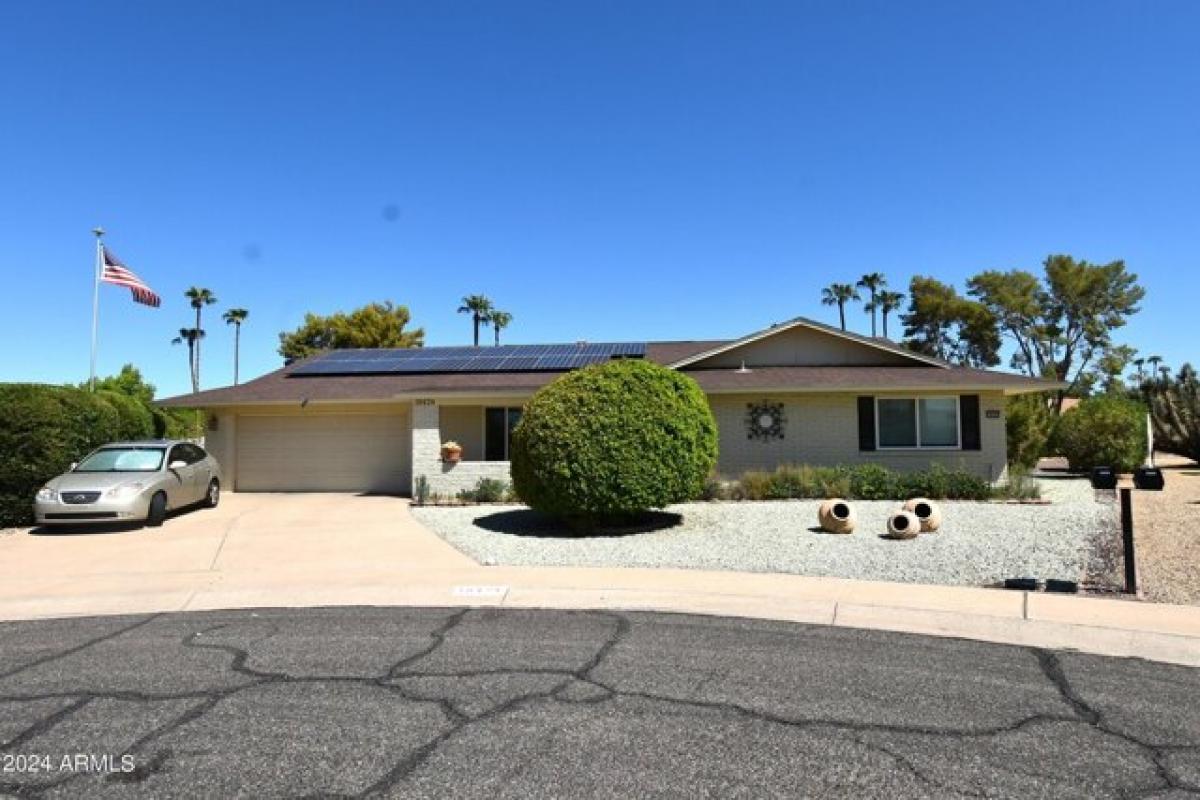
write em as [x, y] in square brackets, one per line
[123, 459]
[918, 422]
[498, 424]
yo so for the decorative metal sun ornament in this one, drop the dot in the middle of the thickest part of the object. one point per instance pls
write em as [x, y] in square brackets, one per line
[764, 420]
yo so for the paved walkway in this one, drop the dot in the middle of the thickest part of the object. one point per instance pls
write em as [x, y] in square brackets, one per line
[260, 551]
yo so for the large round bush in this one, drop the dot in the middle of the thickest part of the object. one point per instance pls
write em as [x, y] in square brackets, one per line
[1103, 432]
[613, 440]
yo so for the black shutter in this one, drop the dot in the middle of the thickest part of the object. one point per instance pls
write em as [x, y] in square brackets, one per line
[968, 405]
[866, 423]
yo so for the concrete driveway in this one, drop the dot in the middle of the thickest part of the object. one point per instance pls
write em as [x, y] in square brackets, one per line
[251, 543]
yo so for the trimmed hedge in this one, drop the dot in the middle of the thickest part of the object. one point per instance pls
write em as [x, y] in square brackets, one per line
[1102, 432]
[44, 428]
[613, 440]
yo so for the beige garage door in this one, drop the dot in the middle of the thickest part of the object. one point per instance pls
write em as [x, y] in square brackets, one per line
[323, 453]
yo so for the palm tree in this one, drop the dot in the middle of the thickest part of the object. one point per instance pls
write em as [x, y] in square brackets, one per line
[838, 294]
[888, 302]
[872, 282]
[1141, 373]
[499, 319]
[199, 298]
[480, 309]
[192, 337]
[1154, 361]
[235, 317]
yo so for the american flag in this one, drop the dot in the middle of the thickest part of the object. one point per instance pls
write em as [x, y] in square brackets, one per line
[116, 272]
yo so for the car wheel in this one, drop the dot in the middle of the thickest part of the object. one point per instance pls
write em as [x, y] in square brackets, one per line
[214, 494]
[158, 510]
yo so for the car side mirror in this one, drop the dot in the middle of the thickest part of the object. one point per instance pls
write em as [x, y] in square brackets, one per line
[174, 465]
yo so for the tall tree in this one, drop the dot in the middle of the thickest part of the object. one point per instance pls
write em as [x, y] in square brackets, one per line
[499, 320]
[128, 381]
[198, 298]
[872, 282]
[1140, 363]
[191, 337]
[480, 309]
[838, 294]
[1108, 375]
[943, 324]
[372, 325]
[1063, 322]
[888, 302]
[235, 317]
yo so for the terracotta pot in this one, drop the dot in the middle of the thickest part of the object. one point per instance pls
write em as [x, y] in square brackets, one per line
[452, 456]
[903, 525]
[929, 512]
[836, 516]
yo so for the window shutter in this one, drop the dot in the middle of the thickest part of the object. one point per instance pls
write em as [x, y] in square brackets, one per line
[968, 405]
[866, 423]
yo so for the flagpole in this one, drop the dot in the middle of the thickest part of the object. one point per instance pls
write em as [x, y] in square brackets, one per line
[96, 302]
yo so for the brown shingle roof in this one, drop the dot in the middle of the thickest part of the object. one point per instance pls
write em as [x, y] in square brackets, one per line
[280, 386]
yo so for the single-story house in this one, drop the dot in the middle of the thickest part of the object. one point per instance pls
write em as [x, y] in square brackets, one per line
[799, 392]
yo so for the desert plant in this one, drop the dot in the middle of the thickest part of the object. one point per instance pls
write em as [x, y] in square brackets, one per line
[755, 484]
[1175, 410]
[613, 440]
[421, 490]
[489, 490]
[1102, 431]
[1020, 485]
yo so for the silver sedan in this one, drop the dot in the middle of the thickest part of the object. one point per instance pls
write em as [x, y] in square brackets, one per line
[131, 482]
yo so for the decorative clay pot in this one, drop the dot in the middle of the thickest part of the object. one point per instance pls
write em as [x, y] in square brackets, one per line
[929, 512]
[903, 525]
[836, 516]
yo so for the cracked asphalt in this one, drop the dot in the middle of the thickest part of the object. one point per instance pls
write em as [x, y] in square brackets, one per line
[407, 702]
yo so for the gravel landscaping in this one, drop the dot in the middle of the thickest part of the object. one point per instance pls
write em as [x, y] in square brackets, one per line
[979, 543]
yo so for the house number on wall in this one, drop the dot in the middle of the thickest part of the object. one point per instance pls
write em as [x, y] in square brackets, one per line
[764, 420]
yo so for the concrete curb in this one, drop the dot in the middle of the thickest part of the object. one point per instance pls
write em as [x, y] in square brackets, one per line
[1102, 626]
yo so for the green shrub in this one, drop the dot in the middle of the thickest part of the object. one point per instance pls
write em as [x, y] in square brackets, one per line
[1019, 486]
[421, 490]
[1029, 423]
[940, 483]
[613, 440]
[44, 428]
[787, 482]
[1102, 431]
[873, 482]
[490, 490]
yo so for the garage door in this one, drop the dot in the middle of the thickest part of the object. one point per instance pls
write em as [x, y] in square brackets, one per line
[323, 453]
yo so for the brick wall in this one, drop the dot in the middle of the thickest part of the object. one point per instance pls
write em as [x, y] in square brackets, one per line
[444, 478]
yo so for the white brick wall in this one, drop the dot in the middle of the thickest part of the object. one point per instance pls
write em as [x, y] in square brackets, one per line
[444, 478]
[822, 430]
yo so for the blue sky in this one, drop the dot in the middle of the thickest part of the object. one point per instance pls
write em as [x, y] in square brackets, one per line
[602, 170]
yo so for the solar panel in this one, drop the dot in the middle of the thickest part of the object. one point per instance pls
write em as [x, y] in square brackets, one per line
[505, 358]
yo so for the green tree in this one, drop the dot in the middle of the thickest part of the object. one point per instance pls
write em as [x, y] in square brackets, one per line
[235, 317]
[198, 298]
[480, 309]
[872, 282]
[943, 324]
[128, 381]
[1062, 323]
[500, 320]
[1108, 375]
[838, 294]
[191, 337]
[372, 325]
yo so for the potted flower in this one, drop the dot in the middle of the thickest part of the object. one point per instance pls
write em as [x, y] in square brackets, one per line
[451, 452]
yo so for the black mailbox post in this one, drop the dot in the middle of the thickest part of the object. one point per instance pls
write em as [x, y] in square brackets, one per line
[1145, 478]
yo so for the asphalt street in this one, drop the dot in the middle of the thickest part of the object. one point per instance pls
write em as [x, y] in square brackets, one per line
[360, 702]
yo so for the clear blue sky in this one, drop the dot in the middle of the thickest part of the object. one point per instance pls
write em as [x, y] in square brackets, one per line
[603, 170]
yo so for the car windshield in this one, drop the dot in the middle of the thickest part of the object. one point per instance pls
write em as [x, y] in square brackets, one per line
[123, 459]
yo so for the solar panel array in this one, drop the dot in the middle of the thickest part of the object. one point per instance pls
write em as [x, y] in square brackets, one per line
[505, 358]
